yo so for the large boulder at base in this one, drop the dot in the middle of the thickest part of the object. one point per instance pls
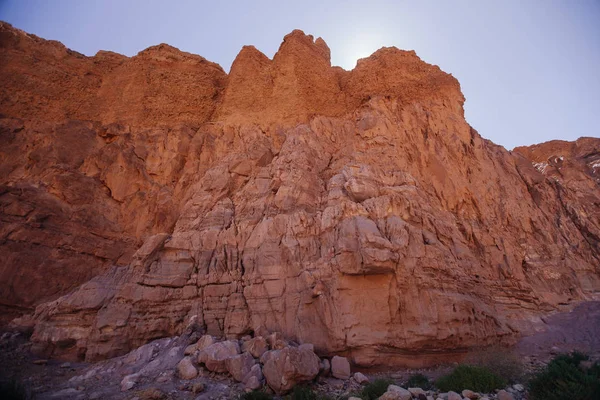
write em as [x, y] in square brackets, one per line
[396, 393]
[253, 380]
[361, 378]
[288, 367]
[239, 366]
[340, 367]
[256, 346]
[186, 369]
[214, 357]
[204, 342]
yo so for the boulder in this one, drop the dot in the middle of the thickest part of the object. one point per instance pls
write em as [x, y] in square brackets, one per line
[340, 367]
[520, 388]
[186, 369]
[191, 349]
[396, 393]
[239, 365]
[454, 396]
[266, 356]
[252, 383]
[504, 395]
[325, 367]
[256, 346]
[214, 357]
[272, 338]
[288, 367]
[128, 382]
[253, 380]
[469, 394]
[197, 387]
[308, 346]
[204, 342]
[416, 391]
[361, 378]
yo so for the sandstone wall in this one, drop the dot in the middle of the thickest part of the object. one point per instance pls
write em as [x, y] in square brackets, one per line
[356, 210]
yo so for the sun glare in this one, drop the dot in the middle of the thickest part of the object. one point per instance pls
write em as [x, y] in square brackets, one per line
[361, 46]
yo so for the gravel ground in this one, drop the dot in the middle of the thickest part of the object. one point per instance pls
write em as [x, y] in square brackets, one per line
[563, 332]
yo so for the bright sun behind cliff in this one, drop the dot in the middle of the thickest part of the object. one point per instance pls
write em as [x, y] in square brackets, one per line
[361, 46]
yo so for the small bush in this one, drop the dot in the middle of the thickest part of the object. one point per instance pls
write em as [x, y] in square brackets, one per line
[478, 379]
[501, 361]
[375, 389]
[302, 393]
[419, 381]
[563, 378]
[256, 395]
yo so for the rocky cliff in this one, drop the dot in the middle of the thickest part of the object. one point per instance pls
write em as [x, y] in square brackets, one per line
[355, 210]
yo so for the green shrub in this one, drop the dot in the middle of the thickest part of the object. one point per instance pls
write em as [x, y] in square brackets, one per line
[470, 377]
[302, 393]
[563, 378]
[256, 395]
[501, 361]
[419, 381]
[375, 389]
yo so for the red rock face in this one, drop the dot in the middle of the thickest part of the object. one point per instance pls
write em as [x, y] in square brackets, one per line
[356, 210]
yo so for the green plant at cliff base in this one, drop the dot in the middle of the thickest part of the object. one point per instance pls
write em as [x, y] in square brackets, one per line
[501, 361]
[302, 393]
[470, 377]
[256, 395]
[375, 389]
[419, 381]
[567, 377]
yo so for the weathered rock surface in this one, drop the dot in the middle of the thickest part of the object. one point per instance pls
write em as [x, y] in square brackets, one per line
[454, 396]
[355, 210]
[396, 393]
[239, 366]
[186, 369]
[416, 392]
[469, 394]
[216, 356]
[340, 367]
[253, 379]
[289, 367]
[361, 378]
[504, 395]
[256, 346]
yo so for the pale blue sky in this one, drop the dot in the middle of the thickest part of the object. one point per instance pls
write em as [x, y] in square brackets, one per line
[530, 69]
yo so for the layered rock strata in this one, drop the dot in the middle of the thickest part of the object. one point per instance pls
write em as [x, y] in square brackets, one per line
[355, 210]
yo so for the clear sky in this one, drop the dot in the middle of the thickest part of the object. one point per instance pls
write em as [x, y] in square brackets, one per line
[530, 69]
